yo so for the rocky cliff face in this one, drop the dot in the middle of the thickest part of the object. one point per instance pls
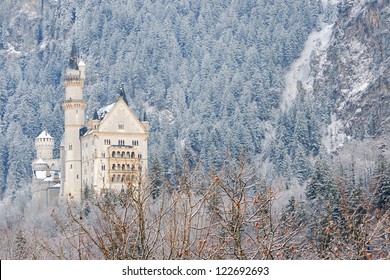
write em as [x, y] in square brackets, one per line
[352, 79]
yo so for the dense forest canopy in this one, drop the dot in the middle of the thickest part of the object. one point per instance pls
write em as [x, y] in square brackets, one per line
[243, 162]
[207, 74]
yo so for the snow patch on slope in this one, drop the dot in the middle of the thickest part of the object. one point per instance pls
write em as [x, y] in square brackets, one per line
[334, 136]
[300, 69]
[317, 42]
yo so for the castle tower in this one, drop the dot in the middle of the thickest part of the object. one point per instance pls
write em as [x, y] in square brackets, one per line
[74, 108]
[44, 145]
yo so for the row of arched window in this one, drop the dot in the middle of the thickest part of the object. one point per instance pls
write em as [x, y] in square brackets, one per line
[123, 154]
[122, 178]
[125, 167]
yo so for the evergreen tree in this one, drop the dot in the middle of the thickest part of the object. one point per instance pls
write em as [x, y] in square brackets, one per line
[324, 210]
[157, 178]
[381, 182]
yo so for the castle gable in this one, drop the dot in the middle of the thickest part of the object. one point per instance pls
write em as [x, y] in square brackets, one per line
[119, 117]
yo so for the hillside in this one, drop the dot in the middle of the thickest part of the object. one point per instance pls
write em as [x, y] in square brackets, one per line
[207, 75]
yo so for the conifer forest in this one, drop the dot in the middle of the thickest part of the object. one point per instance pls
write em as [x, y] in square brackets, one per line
[269, 127]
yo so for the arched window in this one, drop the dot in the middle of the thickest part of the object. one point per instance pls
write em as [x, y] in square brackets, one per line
[132, 155]
[113, 166]
[128, 154]
[123, 154]
[113, 154]
[123, 167]
[113, 178]
[123, 178]
[128, 167]
[118, 178]
[118, 154]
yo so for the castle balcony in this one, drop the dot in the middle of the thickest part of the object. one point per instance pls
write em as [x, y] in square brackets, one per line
[119, 152]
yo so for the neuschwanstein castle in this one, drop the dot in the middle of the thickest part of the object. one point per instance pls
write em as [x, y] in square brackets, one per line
[107, 151]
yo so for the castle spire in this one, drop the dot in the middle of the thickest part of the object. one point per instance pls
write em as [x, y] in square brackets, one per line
[95, 115]
[122, 93]
[72, 65]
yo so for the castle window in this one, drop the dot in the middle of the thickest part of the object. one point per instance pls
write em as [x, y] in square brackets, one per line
[123, 178]
[134, 142]
[103, 167]
[113, 154]
[123, 167]
[70, 147]
[77, 176]
[123, 154]
[118, 154]
[107, 142]
[139, 156]
[118, 178]
[132, 155]
[128, 154]
[113, 178]
[113, 167]
[71, 166]
[128, 167]
[121, 126]
[121, 142]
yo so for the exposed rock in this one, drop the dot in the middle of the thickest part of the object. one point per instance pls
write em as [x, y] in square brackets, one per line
[353, 82]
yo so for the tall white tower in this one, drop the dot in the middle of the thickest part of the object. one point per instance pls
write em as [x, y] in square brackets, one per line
[74, 108]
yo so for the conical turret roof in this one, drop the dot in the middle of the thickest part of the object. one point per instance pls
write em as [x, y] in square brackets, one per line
[44, 134]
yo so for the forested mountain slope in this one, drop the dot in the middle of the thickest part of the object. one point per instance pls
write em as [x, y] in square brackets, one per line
[207, 74]
[269, 127]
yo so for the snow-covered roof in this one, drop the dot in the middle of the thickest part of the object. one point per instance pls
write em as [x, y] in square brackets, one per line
[40, 161]
[103, 112]
[44, 134]
[40, 174]
[81, 62]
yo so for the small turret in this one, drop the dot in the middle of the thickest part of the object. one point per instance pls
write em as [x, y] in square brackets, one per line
[81, 65]
[41, 169]
[44, 145]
